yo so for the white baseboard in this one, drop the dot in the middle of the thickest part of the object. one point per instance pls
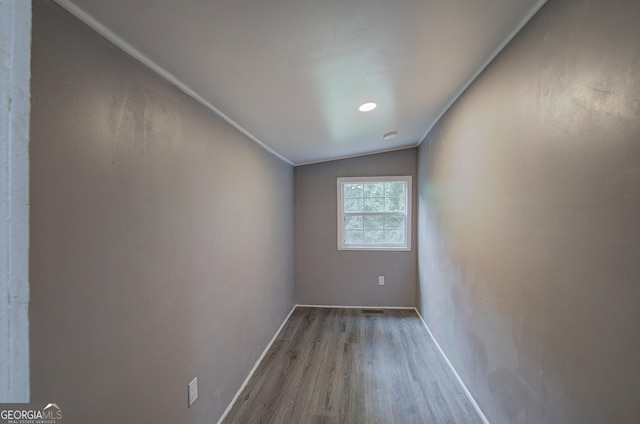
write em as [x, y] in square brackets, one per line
[464, 387]
[266, 349]
[255, 367]
[355, 307]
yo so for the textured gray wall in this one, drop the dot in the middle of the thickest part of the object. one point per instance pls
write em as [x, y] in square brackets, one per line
[162, 243]
[327, 276]
[530, 222]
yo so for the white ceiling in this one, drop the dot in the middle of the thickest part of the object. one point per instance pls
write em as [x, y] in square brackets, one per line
[290, 74]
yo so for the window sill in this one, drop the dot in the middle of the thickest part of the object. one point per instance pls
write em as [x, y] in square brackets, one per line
[377, 249]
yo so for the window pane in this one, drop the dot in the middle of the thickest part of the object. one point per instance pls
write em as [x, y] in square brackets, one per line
[394, 204]
[353, 205]
[374, 204]
[352, 190]
[353, 237]
[352, 222]
[394, 189]
[394, 236]
[374, 190]
[373, 237]
[373, 213]
[373, 222]
[394, 222]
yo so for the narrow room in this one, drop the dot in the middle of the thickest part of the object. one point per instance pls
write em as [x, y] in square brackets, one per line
[362, 211]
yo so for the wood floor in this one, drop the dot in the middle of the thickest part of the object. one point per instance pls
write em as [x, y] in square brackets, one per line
[349, 366]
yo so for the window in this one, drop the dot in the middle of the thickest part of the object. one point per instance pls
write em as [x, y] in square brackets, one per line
[374, 213]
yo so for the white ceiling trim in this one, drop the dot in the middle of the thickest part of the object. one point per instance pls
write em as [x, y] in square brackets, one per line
[502, 45]
[136, 54]
[160, 71]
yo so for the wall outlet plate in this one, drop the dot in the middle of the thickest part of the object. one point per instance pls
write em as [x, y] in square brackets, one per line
[381, 280]
[193, 391]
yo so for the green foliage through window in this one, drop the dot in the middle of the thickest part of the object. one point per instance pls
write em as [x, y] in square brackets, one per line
[374, 213]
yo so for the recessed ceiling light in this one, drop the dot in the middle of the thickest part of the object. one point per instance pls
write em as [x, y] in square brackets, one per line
[367, 107]
[389, 135]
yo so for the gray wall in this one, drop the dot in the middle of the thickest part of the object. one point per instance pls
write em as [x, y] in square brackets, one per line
[530, 222]
[327, 276]
[162, 244]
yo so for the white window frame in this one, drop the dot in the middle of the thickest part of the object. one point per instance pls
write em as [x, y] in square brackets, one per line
[407, 214]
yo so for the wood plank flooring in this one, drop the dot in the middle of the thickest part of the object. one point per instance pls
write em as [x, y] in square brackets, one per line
[331, 366]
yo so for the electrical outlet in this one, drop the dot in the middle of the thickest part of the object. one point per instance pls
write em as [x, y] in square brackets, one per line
[193, 391]
[381, 280]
